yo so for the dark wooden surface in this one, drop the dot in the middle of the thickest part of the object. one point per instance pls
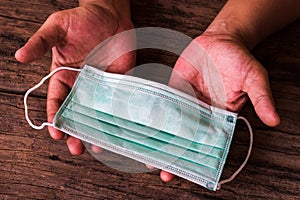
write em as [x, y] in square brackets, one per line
[33, 166]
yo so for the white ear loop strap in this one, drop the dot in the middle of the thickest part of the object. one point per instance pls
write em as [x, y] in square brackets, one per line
[74, 69]
[37, 86]
[246, 159]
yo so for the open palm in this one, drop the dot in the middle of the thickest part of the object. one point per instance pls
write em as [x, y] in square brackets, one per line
[241, 76]
[72, 34]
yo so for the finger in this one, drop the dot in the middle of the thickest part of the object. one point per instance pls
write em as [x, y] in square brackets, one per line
[189, 80]
[122, 64]
[166, 176]
[50, 33]
[258, 89]
[150, 167]
[95, 149]
[75, 146]
[58, 89]
[117, 54]
[182, 76]
[57, 92]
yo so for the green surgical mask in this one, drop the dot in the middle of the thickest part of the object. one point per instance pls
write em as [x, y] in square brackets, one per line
[148, 122]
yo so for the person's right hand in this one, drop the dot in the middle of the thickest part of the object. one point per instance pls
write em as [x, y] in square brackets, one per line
[72, 34]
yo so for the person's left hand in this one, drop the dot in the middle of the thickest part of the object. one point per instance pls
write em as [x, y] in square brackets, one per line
[241, 74]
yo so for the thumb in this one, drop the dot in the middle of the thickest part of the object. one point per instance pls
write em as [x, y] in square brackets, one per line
[258, 89]
[183, 76]
[49, 34]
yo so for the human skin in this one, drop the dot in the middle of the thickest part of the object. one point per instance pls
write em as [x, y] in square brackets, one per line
[72, 34]
[239, 26]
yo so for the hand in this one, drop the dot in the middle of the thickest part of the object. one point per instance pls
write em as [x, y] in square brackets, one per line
[72, 34]
[241, 74]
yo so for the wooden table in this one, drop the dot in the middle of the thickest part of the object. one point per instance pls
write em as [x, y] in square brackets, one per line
[33, 166]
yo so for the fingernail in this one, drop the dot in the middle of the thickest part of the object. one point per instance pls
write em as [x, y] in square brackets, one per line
[96, 149]
[150, 167]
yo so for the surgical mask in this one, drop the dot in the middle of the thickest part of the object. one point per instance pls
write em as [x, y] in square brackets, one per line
[148, 122]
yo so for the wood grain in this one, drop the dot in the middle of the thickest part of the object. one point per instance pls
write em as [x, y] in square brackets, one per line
[33, 166]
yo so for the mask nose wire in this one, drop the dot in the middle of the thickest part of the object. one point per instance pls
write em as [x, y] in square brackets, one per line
[36, 87]
[246, 159]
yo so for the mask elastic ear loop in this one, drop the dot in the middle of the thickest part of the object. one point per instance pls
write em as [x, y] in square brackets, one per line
[246, 159]
[36, 87]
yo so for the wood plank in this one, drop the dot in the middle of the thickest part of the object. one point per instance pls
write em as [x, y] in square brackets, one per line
[189, 17]
[35, 10]
[51, 168]
[33, 166]
[14, 76]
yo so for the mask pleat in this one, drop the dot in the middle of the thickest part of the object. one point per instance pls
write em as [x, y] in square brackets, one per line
[163, 154]
[183, 123]
[150, 142]
[146, 131]
[150, 123]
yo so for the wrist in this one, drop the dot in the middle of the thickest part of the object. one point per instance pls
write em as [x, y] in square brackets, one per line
[231, 28]
[118, 8]
[252, 21]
